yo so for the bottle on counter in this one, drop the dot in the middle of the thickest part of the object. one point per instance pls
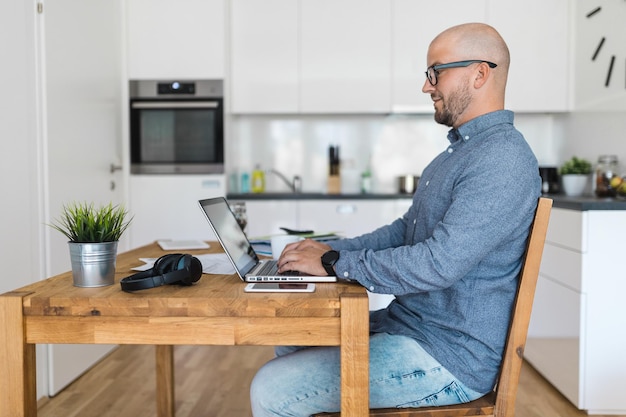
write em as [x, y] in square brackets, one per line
[258, 180]
[245, 183]
[366, 180]
[608, 176]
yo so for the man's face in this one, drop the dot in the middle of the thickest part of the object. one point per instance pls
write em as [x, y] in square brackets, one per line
[451, 95]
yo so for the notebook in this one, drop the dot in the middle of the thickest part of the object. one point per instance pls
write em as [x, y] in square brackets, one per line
[239, 250]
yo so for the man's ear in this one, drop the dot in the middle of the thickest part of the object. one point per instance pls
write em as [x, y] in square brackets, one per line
[482, 74]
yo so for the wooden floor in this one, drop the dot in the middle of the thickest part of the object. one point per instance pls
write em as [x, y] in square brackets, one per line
[213, 381]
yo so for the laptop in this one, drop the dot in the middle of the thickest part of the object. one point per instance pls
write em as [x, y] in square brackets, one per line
[240, 252]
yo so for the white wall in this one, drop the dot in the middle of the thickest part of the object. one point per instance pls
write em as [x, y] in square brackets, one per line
[590, 134]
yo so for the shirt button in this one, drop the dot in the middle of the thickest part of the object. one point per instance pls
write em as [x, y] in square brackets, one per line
[346, 275]
[414, 221]
[466, 137]
[450, 150]
[372, 288]
[427, 182]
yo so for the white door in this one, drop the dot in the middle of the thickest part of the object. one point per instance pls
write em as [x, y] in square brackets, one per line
[80, 50]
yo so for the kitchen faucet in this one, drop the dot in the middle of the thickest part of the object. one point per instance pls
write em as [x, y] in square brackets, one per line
[295, 185]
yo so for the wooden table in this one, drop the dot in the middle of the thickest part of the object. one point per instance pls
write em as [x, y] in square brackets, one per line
[215, 311]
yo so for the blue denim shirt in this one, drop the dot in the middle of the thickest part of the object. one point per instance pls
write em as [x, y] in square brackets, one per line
[453, 259]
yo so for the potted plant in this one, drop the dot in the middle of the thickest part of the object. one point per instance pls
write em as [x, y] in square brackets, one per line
[575, 176]
[93, 233]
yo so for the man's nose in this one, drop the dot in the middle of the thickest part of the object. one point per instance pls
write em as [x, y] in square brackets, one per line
[427, 87]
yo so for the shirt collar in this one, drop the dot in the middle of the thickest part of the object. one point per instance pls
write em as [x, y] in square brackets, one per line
[479, 124]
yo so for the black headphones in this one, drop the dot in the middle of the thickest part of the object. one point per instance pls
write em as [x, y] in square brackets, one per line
[175, 268]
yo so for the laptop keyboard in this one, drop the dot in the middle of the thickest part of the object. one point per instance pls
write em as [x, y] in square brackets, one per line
[270, 268]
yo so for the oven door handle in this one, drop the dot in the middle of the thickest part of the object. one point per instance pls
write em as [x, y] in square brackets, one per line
[175, 105]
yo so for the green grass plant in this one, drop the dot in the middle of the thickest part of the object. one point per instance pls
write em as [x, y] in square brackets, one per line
[576, 165]
[84, 223]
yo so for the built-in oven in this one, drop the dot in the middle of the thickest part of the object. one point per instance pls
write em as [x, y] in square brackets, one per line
[176, 127]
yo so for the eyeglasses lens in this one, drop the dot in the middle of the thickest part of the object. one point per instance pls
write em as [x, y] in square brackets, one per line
[431, 74]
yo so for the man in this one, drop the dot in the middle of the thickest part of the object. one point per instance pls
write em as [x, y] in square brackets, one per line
[452, 260]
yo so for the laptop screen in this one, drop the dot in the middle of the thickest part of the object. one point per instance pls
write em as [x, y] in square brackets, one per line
[229, 233]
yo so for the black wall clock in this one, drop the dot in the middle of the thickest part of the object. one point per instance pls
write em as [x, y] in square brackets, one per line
[599, 55]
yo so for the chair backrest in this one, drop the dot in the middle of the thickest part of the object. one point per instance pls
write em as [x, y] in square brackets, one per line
[506, 389]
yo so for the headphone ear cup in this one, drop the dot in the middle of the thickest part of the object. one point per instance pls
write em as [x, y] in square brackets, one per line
[195, 270]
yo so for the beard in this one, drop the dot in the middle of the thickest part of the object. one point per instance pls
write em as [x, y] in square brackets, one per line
[453, 106]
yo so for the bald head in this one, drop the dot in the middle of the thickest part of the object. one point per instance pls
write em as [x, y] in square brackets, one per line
[464, 92]
[476, 41]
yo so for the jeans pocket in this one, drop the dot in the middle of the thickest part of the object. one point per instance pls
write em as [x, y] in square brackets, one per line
[450, 394]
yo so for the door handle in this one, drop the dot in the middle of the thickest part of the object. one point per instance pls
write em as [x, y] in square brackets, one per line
[114, 168]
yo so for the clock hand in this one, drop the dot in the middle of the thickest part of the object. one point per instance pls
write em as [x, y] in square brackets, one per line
[595, 54]
[608, 76]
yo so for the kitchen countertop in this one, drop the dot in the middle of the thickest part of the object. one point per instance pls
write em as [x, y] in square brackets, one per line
[586, 203]
[583, 203]
[314, 196]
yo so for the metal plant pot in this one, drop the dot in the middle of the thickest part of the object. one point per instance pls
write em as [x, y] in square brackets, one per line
[93, 264]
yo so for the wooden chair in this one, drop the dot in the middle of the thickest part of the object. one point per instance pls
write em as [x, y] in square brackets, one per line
[501, 401]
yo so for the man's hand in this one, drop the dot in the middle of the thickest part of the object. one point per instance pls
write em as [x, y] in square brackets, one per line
[304, 256]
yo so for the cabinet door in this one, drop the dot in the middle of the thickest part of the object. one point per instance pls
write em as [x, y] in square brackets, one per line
[537, 34]
[176, 39]
[556, 344]
[414, 27]
[345, 57]
[166, 206]
[349, 218]
[268, 216]
[264, 56]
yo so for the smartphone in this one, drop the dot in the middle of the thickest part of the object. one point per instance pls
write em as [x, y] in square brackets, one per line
[279, 287]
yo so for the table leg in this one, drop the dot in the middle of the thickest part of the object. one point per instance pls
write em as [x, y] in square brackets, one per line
[18, 380]
[165, 380]
[354, 355]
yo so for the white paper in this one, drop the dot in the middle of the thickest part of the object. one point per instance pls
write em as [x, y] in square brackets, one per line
[182, 244]
[212, 263]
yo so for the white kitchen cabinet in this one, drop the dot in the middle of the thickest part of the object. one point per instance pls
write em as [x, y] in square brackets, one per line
[349, 218]
[413, 30]
[349, 56]
[575, 338]
[166, 207]
[537, 33]
[264, 56]
[312, 56]
[345, 56]
[182, 39]
[266, 217]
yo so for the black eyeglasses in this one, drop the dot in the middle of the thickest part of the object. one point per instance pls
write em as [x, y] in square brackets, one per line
[433, 71]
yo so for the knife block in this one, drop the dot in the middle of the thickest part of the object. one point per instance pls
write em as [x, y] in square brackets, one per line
[334, 184]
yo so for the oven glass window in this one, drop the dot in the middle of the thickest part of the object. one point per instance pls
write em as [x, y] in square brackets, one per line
[181, 135]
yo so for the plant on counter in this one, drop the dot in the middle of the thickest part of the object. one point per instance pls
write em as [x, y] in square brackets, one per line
[574, 176]
[576, 166]
[84, 223]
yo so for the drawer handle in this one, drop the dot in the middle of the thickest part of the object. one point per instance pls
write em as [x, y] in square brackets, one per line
[346, 209]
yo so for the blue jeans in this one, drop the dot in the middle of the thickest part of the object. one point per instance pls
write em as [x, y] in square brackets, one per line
[302, 381]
